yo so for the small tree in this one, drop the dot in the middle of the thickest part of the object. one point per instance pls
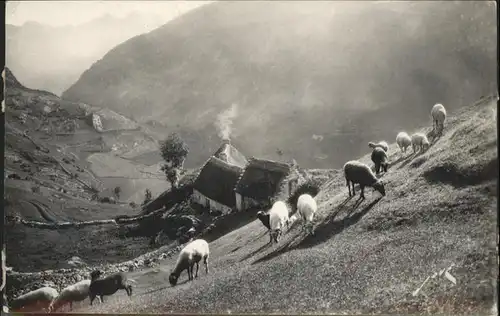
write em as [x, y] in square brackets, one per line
[117, 192]
[174, 151]
[148, 197]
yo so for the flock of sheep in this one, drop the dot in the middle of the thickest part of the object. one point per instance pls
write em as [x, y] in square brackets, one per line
[275, 220]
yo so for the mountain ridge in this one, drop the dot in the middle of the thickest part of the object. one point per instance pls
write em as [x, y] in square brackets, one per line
[324, 72]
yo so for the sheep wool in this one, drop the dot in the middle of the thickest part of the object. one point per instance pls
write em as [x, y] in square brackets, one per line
[403, 140]
[419, 141]
[307, 207]
[382, 144]
[189, 256]
[358, 172]
[379, 158]
[73, 293]
[41, 297]
[278, 218]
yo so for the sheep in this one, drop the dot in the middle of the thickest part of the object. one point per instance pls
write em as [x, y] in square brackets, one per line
[108, 285]
[306, 207]
[379, 158]
[438, 114]
[73, 293]
[358, 172]
[403, 140]
[382, 144]
[420, 141]
[189, 255]
[264, 218]
[278, 217]
[41, 297]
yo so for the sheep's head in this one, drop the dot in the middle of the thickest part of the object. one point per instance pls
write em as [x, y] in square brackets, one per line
[276, 234]
[425, 144]
[173, 279]
[371, 145]
[379, 186]
[95, 274]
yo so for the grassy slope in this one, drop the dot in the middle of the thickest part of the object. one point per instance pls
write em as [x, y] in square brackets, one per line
[440, 209]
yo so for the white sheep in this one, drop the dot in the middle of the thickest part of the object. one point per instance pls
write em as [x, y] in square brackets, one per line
[307, 207]
[420, 141]
[403, 140]
[382, 144]
[73, 293]
[39, 298]
[278, 217]
[438, 114]
[358, 172]
[189, 255]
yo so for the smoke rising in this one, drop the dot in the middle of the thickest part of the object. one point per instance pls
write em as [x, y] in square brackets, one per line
[225, 121]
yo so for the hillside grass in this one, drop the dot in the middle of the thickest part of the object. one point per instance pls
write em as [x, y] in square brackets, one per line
[367, 255]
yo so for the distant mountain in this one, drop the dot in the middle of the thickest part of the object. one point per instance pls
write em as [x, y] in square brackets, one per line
[52, 58]
[314, 81]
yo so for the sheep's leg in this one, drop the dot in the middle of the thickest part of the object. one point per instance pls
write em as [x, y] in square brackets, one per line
[205, 260]
[362, 187]
[348, 186]
[377, 168]
[102, 298]
[192, 268]
[92, 297]
[353, 191]
[197, 267]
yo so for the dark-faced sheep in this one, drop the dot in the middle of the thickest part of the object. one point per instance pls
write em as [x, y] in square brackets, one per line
[189, 255]
[108, 285]
[358, 172]
[379, 158]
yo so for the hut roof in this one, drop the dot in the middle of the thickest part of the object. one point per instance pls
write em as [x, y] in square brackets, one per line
[261, 178]
[217, 180]
[228, 153]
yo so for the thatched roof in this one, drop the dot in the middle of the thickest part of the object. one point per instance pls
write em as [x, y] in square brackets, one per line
[261, 178]
[217, 180]
[228, 153]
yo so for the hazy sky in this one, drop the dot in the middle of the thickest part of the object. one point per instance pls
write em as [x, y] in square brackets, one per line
[58, 12]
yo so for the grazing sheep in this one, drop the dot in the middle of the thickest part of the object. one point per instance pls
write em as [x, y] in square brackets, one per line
[420, 141]
[264, 218]
[403, 140]
[358, 172]
[278, 217]
[74, 293]
[189, 255]
[382, 144]
[379, 158]
[108, 285]
[306, 207]
[438, 114]
[34, 300]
